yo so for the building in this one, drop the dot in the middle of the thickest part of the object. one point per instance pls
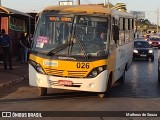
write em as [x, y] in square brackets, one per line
[14, 22]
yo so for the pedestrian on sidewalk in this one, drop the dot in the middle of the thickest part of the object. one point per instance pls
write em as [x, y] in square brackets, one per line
[1, 53]
[6, 43]
[29, 38]
[24, 48]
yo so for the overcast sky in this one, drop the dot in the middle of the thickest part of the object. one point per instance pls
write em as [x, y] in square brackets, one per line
[148, 6]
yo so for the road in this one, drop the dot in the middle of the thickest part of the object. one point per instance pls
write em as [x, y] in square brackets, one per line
[140, 92]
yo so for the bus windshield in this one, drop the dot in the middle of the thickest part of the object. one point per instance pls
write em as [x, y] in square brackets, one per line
[71, 35]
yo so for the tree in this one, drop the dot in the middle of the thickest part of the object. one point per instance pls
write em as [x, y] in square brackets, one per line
[143, 24]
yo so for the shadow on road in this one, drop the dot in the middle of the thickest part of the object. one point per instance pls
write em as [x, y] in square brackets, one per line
[117, 91]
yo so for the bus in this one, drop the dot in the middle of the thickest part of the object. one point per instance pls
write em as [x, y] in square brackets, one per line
[83, 48]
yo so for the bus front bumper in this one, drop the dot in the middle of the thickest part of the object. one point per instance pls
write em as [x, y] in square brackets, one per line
[97, 84]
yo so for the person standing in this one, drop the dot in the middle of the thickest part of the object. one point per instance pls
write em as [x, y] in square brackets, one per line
[29, 38]
[6, 44]
[24, 48]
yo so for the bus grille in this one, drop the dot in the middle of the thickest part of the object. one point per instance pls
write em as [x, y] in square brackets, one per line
[65, 73]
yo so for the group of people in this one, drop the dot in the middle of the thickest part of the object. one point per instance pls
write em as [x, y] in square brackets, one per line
[6, 46]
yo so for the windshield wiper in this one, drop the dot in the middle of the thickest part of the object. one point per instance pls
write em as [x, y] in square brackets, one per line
[59, 48]
[65, 45]
[81, 46]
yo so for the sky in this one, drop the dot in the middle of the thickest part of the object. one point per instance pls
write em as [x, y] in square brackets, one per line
[150, 7]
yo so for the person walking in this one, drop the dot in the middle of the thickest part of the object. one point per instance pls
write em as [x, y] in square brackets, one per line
[5, 42]
[24, 48]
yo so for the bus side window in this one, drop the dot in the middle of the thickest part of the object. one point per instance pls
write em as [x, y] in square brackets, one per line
[115, 33]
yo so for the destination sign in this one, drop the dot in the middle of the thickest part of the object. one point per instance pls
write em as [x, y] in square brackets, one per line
[60, 19]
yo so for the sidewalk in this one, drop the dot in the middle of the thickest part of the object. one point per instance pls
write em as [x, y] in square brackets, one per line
[18, 74]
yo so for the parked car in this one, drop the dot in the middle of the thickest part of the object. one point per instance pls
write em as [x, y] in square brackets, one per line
[154, 41]
[142, 49]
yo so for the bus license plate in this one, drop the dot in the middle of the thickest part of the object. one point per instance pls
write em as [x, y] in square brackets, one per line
[143, 55]
[65, 82]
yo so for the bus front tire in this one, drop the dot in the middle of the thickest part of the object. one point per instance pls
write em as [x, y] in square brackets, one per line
[122, 78]
[42, 91]
[159, 79]
[104, 94]
[152, 58]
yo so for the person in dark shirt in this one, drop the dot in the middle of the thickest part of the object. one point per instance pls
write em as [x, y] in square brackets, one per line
[5, 42]
[23, 48]
[29, 38]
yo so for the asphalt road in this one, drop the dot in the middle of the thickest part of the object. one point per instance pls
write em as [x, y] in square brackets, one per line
[140, 92]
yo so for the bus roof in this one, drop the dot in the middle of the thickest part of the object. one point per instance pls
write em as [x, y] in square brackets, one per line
[88, 9]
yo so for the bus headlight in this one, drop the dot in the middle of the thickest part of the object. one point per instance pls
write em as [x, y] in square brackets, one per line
[33, 63]
[100, 69]
[37, 67]
[96, 71]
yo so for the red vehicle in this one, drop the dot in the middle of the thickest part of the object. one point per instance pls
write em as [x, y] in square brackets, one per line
[154, 42]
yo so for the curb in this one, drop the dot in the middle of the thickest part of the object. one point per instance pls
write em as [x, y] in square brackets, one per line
[7, 84]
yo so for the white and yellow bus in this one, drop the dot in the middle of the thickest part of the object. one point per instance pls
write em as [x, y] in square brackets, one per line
[68, 51]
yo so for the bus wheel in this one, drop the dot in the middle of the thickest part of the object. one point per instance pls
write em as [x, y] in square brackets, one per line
[42, 91]
[159, 79]
[104, 94]
[122, 78]
[152, 58]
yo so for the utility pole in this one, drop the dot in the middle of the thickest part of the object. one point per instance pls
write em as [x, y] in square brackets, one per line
[78, 2]
[158, 20]
[136, 32]
[104, 2]
[108, 3]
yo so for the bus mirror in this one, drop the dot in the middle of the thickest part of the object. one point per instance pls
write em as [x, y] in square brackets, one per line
[115, 33]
